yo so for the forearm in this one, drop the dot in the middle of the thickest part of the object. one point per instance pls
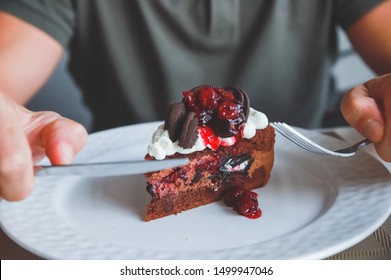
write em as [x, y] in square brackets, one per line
[371, 38]
[28, 56]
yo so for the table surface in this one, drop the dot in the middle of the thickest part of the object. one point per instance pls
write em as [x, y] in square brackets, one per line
[376, 246]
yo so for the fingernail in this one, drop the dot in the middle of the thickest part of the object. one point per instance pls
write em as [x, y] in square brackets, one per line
[373, 129]
[66, 153]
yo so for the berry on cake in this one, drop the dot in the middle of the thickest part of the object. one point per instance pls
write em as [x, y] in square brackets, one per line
[230, 147]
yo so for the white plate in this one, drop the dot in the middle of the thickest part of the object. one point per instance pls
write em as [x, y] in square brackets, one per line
[313, 207]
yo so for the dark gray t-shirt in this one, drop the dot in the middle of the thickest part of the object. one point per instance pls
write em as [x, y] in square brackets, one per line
[132, 58]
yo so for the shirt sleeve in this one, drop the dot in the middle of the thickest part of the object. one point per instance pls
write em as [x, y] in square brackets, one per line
[348, 12]
[57, 18]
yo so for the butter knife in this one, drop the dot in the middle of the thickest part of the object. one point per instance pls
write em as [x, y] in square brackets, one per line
[104, 169]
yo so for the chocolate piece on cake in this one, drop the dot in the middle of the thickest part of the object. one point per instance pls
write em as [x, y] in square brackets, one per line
[174, 121]
[189, 132]
[231, 151]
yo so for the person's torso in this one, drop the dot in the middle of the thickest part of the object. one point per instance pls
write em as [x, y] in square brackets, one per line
[132, 58]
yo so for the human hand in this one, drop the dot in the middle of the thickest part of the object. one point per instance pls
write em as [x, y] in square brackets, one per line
[25, 138]
[367, 108]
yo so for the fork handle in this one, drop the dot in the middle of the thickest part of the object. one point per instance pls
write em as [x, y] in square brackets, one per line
[362, 144]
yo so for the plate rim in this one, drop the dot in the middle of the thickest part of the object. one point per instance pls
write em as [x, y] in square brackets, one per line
[318, 254]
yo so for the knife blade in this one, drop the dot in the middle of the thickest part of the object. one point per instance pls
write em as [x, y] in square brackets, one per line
[105, 169]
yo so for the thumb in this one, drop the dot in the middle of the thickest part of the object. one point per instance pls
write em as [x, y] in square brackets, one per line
[62, 139]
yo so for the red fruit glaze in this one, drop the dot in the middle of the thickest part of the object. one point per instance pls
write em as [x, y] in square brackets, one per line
[243, 201]
[211, 140]
[209, 137]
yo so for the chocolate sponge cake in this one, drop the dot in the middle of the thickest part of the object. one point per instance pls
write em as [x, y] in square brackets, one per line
[230, 147]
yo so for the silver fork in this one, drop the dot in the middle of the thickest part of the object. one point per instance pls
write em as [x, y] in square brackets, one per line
[302, 141]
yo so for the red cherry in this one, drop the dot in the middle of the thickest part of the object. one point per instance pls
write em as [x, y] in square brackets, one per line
[207, 98]
[188, 97]
[246, 203]
[227, 111]
[243, 201]
[219, 90]
[227, 96]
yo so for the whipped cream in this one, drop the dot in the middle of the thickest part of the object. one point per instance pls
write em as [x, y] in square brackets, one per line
[162, 145]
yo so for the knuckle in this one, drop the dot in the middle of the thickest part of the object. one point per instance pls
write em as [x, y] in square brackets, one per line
[13, 164]
[15, 195]
[15, 183]
[79, 129]
[80, 133]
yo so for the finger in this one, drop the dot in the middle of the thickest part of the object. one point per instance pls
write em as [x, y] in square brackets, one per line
[62, 139]
[52, 135]
[367, 109]
[362, 112]
[380, 89]
[16, 171]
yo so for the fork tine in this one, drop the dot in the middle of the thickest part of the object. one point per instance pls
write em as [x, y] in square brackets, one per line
[302, 141]
[296, 138]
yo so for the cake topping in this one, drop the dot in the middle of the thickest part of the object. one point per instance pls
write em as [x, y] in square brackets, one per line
[189, 132]
[243, 99]
[224, 110]
[220, 110]
[223, 117]
[175, 119]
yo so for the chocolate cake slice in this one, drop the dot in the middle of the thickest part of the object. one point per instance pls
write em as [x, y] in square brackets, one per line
[230, 147]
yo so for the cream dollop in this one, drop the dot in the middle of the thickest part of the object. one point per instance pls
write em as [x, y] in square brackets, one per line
[162, 145]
